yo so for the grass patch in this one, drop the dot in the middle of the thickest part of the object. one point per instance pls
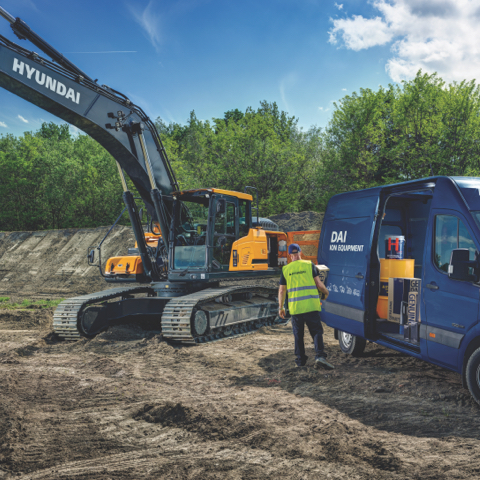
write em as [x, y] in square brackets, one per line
[6, 303]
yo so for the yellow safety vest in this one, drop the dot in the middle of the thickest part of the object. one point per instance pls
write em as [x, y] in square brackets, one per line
[302, 290]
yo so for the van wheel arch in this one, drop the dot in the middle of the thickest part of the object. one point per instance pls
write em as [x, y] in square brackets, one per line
[472, 346]
[472, 374]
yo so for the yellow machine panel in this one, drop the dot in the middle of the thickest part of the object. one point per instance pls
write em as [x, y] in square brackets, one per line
[130, 264]
[254, 252]
[127, 265]
[151, 240]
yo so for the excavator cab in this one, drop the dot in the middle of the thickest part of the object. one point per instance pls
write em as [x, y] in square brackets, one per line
[212, 234]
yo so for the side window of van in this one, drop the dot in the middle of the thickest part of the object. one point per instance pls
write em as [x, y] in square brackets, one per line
[450, 233]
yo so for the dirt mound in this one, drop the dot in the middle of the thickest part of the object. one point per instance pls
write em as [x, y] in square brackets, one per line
[192, 419]
[24, 319]
[291, 222]
[53, 263]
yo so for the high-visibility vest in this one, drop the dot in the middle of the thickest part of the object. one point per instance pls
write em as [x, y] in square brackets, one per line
[302, 291]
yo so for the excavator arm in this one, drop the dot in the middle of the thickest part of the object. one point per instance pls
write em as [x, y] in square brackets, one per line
[108, 116]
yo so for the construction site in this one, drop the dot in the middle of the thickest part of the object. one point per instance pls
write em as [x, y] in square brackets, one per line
[129, 405]
[162, 346]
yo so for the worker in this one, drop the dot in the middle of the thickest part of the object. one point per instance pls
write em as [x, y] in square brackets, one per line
[301, 280]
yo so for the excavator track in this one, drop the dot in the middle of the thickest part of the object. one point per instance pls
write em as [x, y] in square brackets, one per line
[178, 315]
[67, 314]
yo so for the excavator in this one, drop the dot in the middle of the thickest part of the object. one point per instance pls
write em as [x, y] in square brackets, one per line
[198, 241]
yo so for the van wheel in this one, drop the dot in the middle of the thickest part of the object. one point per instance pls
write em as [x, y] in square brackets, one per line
[472, 374]
[351, 344]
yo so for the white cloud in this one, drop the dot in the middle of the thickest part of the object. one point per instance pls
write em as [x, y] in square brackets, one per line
[3, 124]
[433, 35]
[149, 21]
[344, 89]
[338, 6]
[323, 109]
[22, 119]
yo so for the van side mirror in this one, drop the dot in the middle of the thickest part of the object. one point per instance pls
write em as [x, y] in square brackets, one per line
[221, 205]
[458, 269]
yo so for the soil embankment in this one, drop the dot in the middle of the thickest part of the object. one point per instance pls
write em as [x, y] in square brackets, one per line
[53, 263]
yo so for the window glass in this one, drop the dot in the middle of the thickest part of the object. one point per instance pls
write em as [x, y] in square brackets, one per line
[450, 233]
[465, 240]
[220, 223]
[392, 215]
[230, 219]
[190, 235]
[224, 237]
[243, 226]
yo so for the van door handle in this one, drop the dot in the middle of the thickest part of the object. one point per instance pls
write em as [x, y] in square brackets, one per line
[432, 286]
[359, 276]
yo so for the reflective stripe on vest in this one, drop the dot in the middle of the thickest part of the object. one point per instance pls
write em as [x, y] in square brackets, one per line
[302, 291]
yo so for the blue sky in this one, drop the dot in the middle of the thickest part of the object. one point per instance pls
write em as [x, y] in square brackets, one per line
[171, 57]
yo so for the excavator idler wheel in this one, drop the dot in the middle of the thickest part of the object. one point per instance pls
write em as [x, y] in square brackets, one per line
[200, 322]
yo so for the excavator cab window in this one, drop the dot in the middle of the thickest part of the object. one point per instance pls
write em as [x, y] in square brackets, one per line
[225, 227]
[244, 218]
[191, 222]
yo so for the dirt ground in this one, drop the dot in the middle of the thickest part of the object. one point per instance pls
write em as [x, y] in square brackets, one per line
[127, 405]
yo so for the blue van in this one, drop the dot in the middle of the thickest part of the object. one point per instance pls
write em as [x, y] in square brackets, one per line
[440, 220]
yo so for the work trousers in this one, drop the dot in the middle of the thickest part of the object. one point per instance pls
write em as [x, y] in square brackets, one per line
[312, 320]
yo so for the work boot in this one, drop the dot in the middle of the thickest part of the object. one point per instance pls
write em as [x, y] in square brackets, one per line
[302, 364]
[322, 363]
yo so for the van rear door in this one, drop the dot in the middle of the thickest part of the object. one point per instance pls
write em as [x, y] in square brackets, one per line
[345, 247]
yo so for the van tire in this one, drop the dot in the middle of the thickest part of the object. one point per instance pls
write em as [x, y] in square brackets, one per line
[351, 344]
[472, 375]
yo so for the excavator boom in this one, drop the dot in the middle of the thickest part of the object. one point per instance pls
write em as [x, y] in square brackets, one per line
[109, 117]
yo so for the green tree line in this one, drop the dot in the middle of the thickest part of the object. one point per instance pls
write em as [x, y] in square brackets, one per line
[418, 128]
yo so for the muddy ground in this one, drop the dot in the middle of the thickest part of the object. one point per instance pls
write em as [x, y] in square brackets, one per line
[127, 405]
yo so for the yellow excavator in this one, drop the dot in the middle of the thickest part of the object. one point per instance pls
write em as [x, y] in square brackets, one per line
[196, 240]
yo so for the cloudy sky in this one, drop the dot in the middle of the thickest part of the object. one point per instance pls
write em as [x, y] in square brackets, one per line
[174, 56]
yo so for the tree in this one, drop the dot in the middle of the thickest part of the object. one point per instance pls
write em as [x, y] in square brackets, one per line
[412, 130]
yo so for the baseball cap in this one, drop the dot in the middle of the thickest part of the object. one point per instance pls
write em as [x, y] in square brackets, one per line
[294, 248]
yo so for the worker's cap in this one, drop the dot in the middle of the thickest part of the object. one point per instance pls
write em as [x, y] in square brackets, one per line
[294, 248]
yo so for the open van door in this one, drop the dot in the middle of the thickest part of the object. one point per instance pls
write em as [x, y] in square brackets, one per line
[345, 247]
